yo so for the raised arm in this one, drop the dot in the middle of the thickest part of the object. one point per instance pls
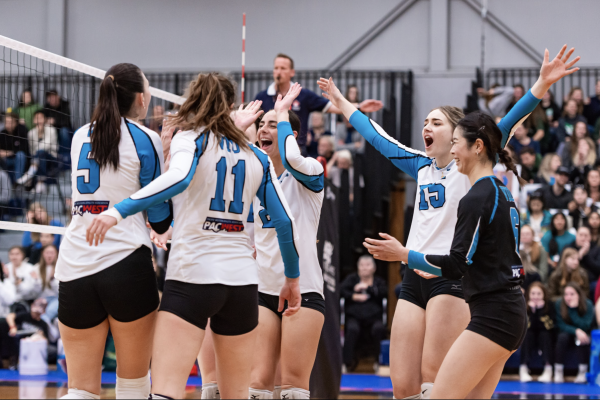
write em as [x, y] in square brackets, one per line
[306, 170]
[408, 160]
[550, 73]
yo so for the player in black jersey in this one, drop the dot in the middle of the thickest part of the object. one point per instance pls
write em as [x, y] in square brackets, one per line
[485, 255]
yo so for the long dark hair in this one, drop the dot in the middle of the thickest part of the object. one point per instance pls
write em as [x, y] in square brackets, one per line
[478, 125]
[581, 307]
[553, 244]
[117, 93]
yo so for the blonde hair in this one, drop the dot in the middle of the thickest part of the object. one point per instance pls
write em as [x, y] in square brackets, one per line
[545, 171]
[454, 114]
[591, 157]
[567, 276]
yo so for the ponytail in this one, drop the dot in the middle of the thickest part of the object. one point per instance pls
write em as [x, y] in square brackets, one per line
[506, 159]
[117, 94]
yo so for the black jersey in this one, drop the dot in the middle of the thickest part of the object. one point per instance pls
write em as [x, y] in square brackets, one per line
[485, 248]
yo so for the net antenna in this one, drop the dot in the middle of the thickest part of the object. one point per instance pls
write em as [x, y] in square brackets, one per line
[243, 84]
[25, 68]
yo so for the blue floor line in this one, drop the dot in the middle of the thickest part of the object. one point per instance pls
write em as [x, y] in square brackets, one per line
[350, 383]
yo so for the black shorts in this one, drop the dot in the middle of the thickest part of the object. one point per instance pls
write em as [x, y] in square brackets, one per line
[311, 300]
[419, 290]
[500, 317]
[126, 291]
[233, 310]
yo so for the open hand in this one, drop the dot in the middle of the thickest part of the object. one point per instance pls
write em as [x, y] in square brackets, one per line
[160, 240]
[331, 92]
[285, 103]
[245, 117]
[97, 230]
[290, 292]
[425, 275]
[552, 71]
[389, 249]
[370, 105]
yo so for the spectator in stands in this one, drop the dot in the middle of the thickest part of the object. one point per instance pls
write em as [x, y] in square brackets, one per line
[594, 225]
[569, 150]
[346, 137]
[557, 196]
[541, 313]
[495, 101]
[21, 320]
[566, 124]
[8, 292]
[551, 109]
[363, 293]
[519, 91]
[58, 114]
[6, 189]
[14, 147]
[307, 101]
[23, 275]
[529, 164]
[342, 161]
[326, 147]
[592, 185]
[156, 120]
[37, 214]
[547, 172]
[534, 257]
[46, 268]
[34, 252]
[589, 257]
[521, 140]
[591, 111]
[43, 145]
[568, 270]
[27, 109]
[317, 129]
[557, 238]
[581, 206]
[538, 129]
[576, 94]
[537, 216]
[574, 318]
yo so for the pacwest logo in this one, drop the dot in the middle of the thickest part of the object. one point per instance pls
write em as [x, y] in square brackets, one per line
[518, 271]
[218, 225]
[91, 207]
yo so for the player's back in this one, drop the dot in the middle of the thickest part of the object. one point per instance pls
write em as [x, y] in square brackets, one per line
[210, 243]
[95, 190]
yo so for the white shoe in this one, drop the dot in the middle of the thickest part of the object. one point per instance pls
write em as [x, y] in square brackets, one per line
[27, 176]
[524, 374]
[582, 375]
[546, 377]
[40, 188]
[344, 369]
[559, 373]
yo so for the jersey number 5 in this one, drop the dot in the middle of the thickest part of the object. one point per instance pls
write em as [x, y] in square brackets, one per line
[236, 206]
[433, 194]
[86, 163]
[515, 222]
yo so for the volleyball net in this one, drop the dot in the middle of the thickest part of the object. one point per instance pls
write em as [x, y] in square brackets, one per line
[44, 99]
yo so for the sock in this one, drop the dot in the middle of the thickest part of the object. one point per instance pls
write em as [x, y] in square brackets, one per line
[159, 397]
[295, 393]
[210, 391]
[583, 368]
[133, 388]
[559, 368]
[79, 394]
[426, 389]
[260, 394]
[277, 392]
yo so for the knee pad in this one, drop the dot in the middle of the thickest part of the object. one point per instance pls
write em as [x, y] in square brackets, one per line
[260, 394]
[416, 396]
[295, 393]
[79, 394]
[277, 392]
[133, 388]
[210, 391]
[426, 389]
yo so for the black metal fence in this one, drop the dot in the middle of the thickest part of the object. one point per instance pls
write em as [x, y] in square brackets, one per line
[585, 78]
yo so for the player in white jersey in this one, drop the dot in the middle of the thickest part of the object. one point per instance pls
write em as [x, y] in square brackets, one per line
[302, 183]
[113, 286]
[213, 177]
[431, 313]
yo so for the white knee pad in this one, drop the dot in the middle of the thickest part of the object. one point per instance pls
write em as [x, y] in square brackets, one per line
[260, 394]
[295, 393]
[416, 396]
[210, 391]
[138, 388]
[426, 389]
[277, 392]
[79, 394]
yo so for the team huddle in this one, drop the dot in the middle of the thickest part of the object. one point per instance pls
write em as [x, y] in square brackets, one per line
[244, 289]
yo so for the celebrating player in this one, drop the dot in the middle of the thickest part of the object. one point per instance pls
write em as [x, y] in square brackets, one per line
[211, 272]
[291, 339]
[113, 286]
[431, 314]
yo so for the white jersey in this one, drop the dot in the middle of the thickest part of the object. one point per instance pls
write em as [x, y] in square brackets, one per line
[95, 190]
[302, 184]
[439, 190]
[213, 183]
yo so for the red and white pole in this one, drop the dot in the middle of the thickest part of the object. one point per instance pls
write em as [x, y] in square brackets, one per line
[243, 58]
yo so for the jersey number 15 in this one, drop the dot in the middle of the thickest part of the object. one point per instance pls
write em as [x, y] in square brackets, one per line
[433, 194]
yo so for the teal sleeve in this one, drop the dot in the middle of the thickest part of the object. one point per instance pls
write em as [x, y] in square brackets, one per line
[418, 261]
[517, 115]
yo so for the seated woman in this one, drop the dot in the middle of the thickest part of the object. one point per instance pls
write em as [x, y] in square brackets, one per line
[568, 271]
[46, 268]
[537, 216]
[534, 257]
[574, 318]
[37, 214]
[581, 206]
[363, 292]
[540, 310]
[557, 239]
[23, 275]
[589, 256]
